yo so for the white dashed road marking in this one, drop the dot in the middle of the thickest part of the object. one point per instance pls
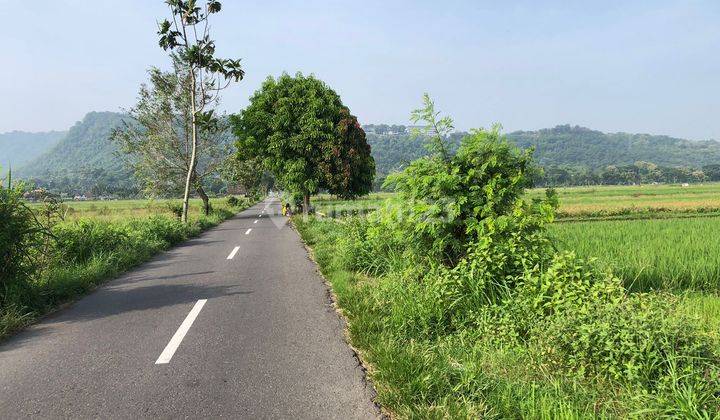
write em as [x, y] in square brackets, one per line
[176, 339]
[232, 254]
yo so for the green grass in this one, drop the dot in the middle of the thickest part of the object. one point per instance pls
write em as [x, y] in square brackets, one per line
[123, 209]
[334, 207]
[669, 254]
[705, 307]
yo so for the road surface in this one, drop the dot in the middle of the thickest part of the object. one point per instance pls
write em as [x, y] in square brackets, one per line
[235, 323]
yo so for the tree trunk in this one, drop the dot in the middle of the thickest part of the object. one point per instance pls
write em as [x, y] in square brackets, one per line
[191, 167]
[205, 199]
[306, 204]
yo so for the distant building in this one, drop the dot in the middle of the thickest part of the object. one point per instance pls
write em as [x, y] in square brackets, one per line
[422, 128]
[36, 194]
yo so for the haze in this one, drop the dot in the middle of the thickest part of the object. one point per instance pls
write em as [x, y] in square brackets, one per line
[647, 66]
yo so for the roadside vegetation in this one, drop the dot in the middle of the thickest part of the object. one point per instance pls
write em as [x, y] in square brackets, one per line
[464, 302]
[53, 253]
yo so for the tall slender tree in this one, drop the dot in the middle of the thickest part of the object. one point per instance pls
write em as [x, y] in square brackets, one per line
[188, 36]
[157, 139]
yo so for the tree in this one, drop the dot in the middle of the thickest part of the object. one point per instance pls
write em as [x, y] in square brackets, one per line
[159, 137]
[712, 172]
[293, 125]
[188, 36]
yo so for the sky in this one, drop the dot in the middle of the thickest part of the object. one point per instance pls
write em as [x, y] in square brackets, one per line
[633, 66]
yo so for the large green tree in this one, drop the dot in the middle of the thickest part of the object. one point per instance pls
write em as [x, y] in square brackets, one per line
[300, 130]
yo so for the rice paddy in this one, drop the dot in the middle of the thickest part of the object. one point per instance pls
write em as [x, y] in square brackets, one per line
[111, 210]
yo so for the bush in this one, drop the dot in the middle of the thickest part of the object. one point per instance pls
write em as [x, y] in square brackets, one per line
[175, 208]
[20, 232]
[441, 205]
[233, 201]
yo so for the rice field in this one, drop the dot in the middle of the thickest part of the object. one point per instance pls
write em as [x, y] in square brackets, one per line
[636, 200]
[331, 206]
[584, 203]
[111, 210]
[668, 254]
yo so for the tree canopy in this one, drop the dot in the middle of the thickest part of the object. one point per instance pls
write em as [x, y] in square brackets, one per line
[300, 130]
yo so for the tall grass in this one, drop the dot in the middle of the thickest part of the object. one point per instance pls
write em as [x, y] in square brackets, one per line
[669, 254]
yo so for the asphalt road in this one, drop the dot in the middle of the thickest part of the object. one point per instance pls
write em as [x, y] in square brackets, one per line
[242, 314]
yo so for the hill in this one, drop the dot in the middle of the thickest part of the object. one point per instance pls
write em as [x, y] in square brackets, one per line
[84, 159]
[18, 147]
[575, 155]
[579, 146]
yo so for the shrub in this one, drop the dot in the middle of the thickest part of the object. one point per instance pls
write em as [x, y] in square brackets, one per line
[175, 208]
[441, 205]
[20, 231]
[233, 201]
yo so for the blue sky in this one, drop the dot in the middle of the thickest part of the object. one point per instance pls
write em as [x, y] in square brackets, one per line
[636, 66]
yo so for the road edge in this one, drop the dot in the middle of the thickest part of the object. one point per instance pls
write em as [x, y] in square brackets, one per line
[331, 300]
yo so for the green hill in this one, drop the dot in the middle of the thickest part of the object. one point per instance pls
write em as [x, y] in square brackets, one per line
[575, 155]
[84, 160]
[17, 148]
[578, 146]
